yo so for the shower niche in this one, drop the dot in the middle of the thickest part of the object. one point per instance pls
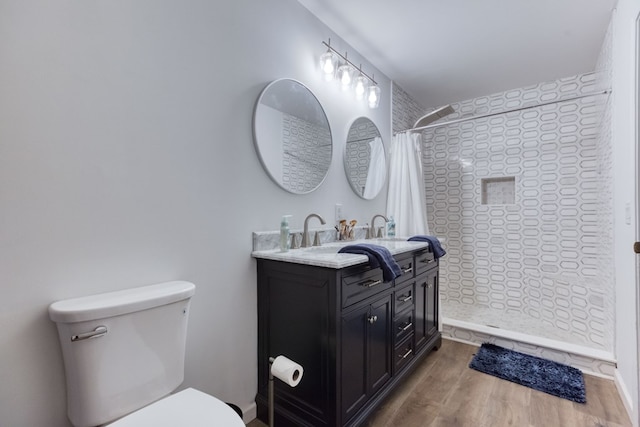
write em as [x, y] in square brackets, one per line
[499, 191]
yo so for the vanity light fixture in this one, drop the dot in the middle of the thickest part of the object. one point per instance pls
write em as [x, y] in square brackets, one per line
[328, 63]
[373, 97]
[365, 86]
[360, 86]
[345, 71]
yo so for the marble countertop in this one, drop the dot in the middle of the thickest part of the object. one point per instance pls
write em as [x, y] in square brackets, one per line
[327, 255]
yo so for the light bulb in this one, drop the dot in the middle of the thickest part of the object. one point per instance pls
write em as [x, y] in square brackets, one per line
[327, 65]
[344, 74]
[361, 81]
[374, 96]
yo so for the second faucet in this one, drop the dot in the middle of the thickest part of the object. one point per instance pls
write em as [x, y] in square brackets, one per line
[372, 230]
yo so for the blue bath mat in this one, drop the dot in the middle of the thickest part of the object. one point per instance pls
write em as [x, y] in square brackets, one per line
[530, 371]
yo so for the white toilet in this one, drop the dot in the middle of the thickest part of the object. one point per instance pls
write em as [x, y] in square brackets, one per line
[124, 354]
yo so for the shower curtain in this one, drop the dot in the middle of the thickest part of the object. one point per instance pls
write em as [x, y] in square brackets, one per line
[377, 171]
[406, 200]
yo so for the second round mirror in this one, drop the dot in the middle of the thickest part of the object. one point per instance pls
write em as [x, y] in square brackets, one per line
[365, 159]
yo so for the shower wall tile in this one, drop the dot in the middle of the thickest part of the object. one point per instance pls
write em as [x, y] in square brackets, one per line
[406, 111]
[544, 259]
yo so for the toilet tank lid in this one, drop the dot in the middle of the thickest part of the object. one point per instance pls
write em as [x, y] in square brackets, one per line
[119, 302]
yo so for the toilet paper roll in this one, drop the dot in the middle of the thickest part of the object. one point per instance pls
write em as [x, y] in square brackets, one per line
[286, 370]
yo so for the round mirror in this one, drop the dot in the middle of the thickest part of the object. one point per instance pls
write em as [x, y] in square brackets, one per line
[292, 136]
[364, 159]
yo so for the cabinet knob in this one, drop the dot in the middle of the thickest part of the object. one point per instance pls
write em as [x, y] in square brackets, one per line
[373, 319]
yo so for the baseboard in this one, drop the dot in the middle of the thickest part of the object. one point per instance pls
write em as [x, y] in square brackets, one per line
[249, 412]
[624, 396]
[591, 361]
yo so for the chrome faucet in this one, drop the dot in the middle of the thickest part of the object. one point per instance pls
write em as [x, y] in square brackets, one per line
[372, 230]
[305, 234]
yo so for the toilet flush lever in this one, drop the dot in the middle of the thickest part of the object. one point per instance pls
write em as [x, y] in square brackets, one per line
[96, 333]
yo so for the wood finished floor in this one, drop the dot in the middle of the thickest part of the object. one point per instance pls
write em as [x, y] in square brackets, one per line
[444, 392]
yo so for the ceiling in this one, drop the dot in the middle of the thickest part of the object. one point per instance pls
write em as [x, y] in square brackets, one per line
[443, 51]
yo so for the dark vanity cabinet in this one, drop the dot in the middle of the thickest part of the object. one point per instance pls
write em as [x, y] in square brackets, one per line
[426, 300]
[355, 335]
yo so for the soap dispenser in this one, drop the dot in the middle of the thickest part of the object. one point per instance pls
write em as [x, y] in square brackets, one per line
[391, 227]
[284, 233]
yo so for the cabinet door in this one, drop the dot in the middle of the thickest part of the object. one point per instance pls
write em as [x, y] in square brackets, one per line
[380, 342]
[366, 354]
[426, 318]
[354, 358]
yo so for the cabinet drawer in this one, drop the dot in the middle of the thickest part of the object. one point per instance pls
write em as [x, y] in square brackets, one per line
[403, 354]
[408, 269]
[403, 325]
[404, 298]
[359, 286]
[424, 261]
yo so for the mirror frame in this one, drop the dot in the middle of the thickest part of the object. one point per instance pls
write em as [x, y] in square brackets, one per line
[360, 192]
[314, 110]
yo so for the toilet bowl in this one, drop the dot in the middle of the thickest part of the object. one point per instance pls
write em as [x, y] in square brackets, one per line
[124, 355]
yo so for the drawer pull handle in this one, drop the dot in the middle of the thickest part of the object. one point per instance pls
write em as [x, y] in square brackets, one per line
[404, 356]
[407, 270]
[373, 319]
[405, 299]
[371, 283]
[406, 327]
[96, 333]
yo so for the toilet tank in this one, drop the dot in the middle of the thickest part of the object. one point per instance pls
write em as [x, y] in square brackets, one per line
[122, 350]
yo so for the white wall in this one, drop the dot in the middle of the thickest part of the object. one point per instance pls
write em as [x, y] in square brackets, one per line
[623, 130]
[126, 158]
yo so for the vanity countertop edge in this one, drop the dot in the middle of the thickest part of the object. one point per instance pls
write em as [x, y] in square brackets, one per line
[327, 255]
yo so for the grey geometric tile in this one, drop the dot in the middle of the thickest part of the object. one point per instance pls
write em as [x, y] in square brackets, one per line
[545, 261]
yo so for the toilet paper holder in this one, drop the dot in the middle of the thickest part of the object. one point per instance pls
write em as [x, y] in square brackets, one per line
[285, 370]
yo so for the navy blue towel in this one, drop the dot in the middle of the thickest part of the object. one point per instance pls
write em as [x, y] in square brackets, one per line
[379, 256]
[436, 247]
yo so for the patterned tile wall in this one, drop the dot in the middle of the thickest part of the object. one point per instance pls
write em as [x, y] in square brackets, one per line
[309, 142]
[534, 266]
[406, 111]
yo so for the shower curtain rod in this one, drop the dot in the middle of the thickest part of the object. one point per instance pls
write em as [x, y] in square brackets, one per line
[482, 116]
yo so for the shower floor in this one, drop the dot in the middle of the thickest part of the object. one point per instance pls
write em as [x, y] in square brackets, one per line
[516, 322]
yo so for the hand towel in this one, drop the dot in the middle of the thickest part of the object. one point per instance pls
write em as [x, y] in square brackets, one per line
[379, 256]
[433, 241]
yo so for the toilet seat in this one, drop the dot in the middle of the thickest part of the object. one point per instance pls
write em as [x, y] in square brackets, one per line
[189, 407]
